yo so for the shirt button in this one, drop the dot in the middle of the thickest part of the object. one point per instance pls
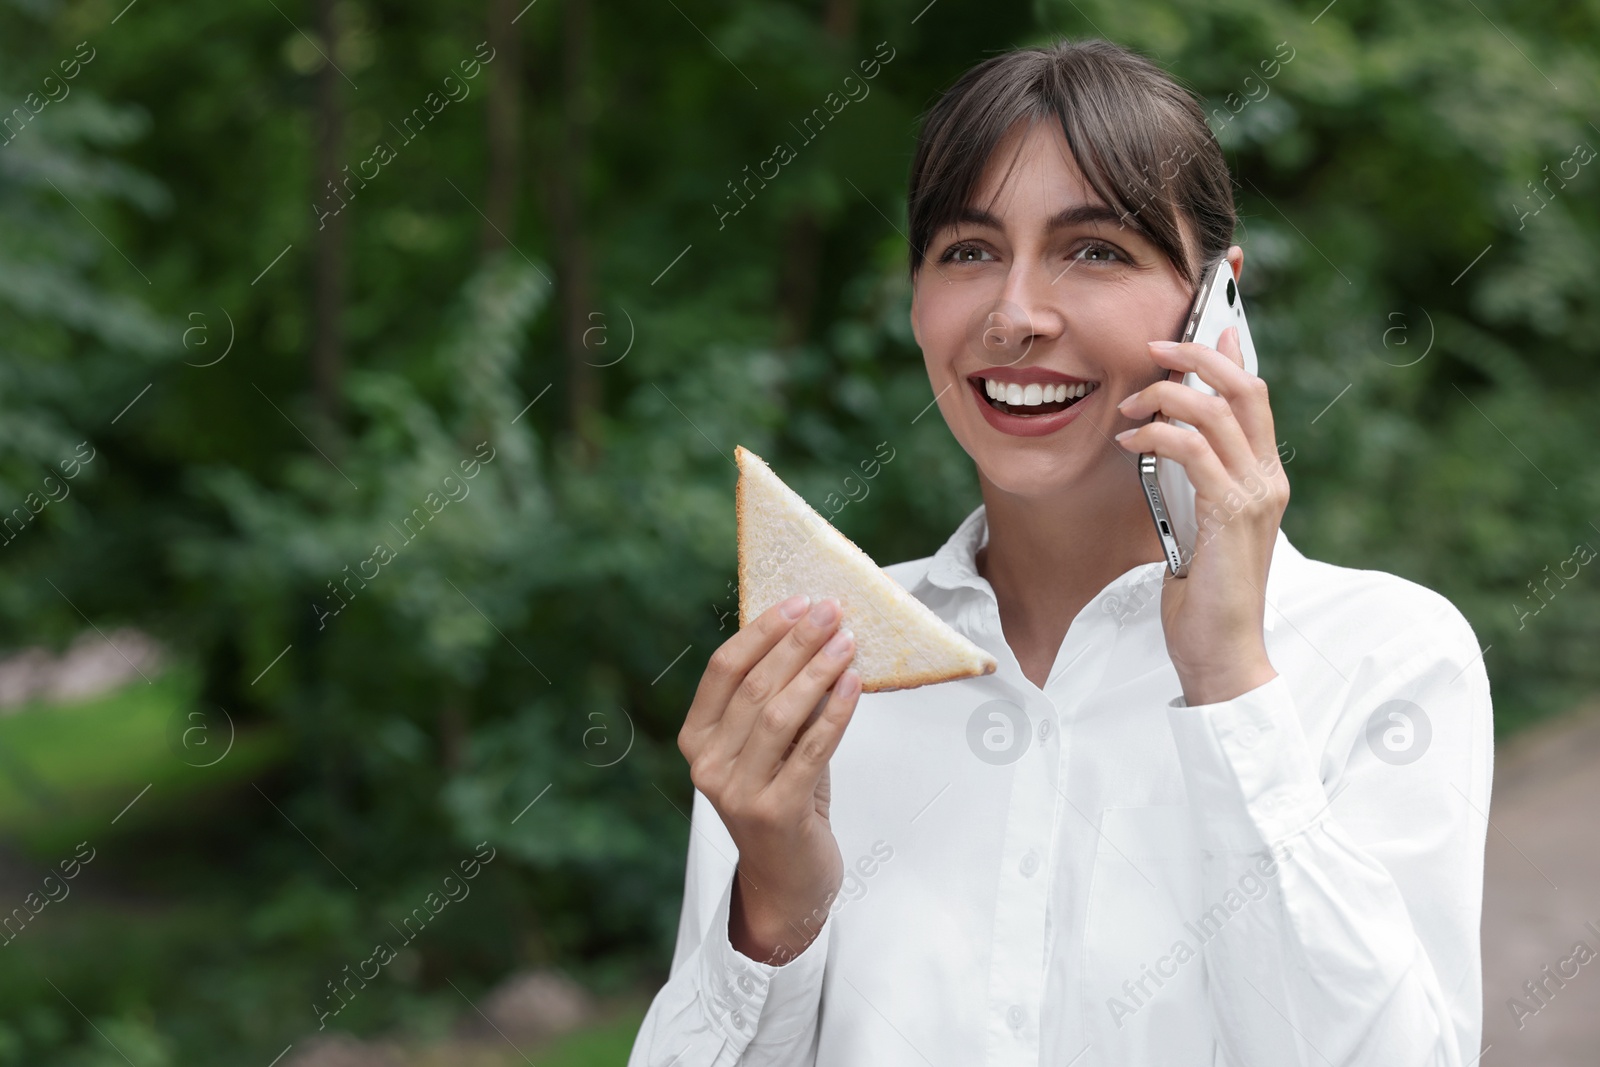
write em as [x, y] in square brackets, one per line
[1014, 1017]
[1044, 730]
[1248, 736]
[1029, 864]
[745, 983]
[737, 1020]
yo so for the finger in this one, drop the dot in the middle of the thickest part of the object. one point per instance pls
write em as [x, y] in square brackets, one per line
[798, 776]
[1262, 433]
[729, 664]
[1222, 372]
[781, 720]
[775, 670]
[1228, 345]
[1246, 392]
[1211, 415]
[1186, 447]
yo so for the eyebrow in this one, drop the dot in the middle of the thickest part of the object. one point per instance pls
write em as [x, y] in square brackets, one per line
[1063, 219]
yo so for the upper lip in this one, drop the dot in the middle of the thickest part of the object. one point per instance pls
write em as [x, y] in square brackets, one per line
[1027, 376]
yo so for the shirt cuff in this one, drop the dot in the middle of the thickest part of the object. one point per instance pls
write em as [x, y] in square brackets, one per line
[1250, 775]
[752, 1001]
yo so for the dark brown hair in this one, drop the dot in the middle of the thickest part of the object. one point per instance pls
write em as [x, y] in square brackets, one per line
[1139, 137]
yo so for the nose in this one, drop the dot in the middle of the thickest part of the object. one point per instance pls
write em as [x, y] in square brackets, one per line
[1026, 312]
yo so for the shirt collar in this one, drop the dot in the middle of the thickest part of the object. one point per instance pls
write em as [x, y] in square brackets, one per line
[954, 565]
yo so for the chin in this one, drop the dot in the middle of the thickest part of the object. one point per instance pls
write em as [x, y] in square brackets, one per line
[1037, 468]
[1019, 482]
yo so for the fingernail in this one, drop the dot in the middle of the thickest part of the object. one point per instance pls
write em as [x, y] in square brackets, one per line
[1162, 344]
[794, 607]
[1125, 433]
[1125, 399]
[839, 642]
[824, 611]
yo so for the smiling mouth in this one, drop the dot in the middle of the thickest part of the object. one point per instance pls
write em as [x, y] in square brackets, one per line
[1035, 399]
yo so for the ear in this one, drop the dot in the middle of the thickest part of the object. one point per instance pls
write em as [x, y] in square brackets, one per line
[1235, 259]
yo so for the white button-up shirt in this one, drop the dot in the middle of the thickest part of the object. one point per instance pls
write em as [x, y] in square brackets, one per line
[1094, 873]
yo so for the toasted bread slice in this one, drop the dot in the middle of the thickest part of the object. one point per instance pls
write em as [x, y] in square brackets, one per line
[786, 547]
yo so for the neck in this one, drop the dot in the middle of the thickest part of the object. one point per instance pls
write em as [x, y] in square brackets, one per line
[1048, 556]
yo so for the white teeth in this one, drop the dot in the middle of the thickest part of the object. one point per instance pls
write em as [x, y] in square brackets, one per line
[1016, 395]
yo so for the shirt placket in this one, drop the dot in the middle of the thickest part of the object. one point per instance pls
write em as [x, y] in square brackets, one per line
[1017, 964]
[1085, 654]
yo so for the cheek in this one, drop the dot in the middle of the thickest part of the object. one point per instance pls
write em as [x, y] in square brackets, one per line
[1117, 336]
[1109, 337]
[939, 320]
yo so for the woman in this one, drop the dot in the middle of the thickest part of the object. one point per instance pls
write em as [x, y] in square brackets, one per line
[1236, 818]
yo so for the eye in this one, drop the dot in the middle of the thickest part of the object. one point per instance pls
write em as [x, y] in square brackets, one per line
[1099, 252]
[964, 253]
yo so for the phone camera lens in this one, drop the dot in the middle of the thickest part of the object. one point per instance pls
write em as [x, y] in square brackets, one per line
[1230, 292]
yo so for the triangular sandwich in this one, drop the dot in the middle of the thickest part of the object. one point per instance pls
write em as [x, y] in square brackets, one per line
[786, 547]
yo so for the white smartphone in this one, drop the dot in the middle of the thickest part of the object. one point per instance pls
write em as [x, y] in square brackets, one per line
[1167, 488]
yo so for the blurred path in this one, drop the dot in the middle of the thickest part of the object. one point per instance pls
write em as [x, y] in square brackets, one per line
[93, 664]
[1546, 829]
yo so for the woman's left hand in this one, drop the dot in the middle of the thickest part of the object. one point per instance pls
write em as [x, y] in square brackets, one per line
[1213, 619]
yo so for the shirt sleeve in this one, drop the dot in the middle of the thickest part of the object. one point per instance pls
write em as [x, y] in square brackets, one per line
[1365, 948]
[719, 1007]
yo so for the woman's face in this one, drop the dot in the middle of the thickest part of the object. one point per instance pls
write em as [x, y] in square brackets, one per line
[1040, 286]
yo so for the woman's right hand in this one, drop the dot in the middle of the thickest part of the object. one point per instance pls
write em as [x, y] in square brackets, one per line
[766, 778]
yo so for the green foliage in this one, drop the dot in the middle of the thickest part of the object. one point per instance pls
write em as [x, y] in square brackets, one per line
[537, 633]
[63, 767]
